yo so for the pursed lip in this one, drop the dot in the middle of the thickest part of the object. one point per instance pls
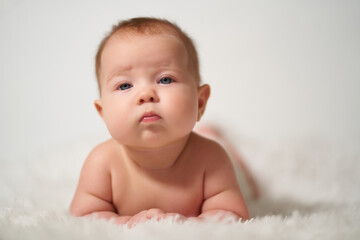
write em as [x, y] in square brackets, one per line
[150, 117]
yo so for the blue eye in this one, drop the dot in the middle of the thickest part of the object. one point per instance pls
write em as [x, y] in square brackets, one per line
[124, 86]
[166, 80]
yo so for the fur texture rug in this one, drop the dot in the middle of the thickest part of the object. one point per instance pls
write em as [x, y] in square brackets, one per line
[310, 190]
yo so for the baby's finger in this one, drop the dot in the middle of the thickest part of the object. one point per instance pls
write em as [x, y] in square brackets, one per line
[154, 212]
[122, 220]
[177, 217]
[138, 218]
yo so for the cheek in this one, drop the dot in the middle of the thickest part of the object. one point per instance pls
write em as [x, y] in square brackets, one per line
[183, 107]
[114, 118]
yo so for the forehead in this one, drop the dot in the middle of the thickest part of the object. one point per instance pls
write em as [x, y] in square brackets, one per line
[133, 40]
[124, 50]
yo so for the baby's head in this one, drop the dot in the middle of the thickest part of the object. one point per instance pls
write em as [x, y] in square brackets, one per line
[151, 26]
[149, 82]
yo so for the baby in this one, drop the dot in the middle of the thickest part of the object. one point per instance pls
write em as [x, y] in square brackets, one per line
[154, 166]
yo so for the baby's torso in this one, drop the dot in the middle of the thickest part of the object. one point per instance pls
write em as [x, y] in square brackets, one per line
[146, 193]
[178, 191]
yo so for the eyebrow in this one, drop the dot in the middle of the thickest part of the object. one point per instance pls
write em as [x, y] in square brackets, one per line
[118, 71]
[125, 69]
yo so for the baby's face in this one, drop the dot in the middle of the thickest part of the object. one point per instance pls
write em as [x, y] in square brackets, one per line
[149, 98]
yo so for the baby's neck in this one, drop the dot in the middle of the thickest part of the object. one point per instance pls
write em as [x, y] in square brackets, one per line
[162, 158]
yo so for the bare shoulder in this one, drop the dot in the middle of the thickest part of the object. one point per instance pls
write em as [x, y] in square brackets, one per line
[210, 151]
[103, 154]
[219, 171]
[95, 177]
[221, 189]
[94, 191]
[104, 150]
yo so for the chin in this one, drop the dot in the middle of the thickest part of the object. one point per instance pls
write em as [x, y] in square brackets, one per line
[159, 142]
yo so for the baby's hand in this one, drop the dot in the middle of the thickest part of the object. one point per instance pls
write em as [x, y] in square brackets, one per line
[153, 213]
[146, 215]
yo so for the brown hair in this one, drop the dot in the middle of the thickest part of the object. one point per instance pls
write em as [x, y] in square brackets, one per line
[150, 26]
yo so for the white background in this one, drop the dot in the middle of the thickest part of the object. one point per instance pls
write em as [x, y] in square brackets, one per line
[283, 69]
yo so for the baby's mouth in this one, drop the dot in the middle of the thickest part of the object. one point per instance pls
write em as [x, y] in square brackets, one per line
[150, 117]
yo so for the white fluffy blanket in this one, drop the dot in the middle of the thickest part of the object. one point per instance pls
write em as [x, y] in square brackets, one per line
[310, 190]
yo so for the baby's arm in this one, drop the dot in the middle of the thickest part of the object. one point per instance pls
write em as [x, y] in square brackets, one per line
[93, 194]
[221, 191]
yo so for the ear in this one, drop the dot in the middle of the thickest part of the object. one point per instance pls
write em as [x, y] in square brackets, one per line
[98, 106]
[203, 96]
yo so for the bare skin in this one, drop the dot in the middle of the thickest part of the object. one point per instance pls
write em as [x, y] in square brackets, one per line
[154, 166]
[216, 134]
[198, 182]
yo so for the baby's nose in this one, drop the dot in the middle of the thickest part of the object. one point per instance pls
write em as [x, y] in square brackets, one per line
[147, 96]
